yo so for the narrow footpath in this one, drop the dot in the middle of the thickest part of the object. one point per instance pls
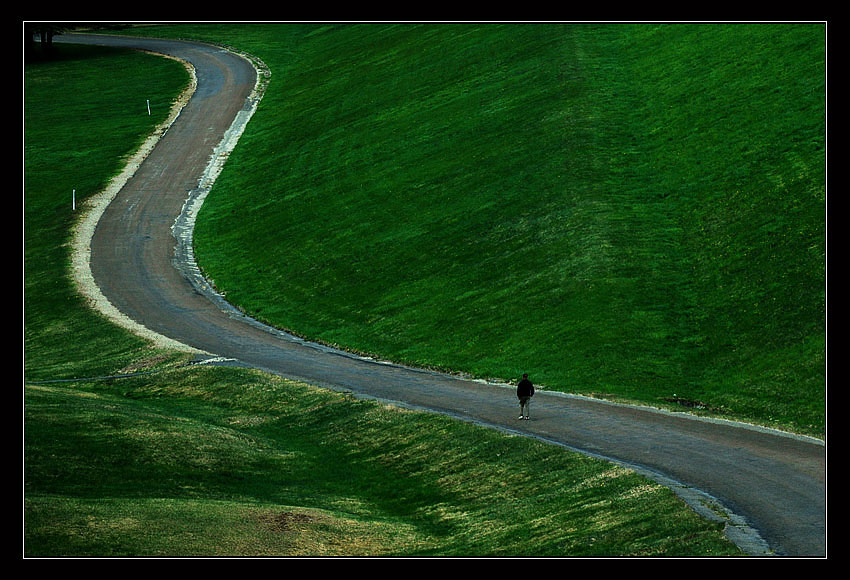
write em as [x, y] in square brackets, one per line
[768, 486]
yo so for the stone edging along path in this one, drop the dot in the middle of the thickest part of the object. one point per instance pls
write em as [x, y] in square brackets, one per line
[91, 211]
[93, 207]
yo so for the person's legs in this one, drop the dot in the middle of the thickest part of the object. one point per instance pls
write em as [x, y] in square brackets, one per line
[523, 407]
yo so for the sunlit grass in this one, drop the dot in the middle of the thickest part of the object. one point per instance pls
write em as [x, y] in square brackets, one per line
[234, 462]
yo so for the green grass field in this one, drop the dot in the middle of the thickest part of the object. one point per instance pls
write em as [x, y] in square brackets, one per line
[629, 211]
[218, 462]
[204, 461]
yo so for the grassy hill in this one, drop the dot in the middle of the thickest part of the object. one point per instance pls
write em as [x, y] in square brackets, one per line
[631, 211]
[205, 461]
[225, 462]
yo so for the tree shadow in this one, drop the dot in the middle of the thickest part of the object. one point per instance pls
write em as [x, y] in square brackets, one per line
[39, 44]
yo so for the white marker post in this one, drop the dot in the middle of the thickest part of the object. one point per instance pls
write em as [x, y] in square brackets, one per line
[74, 200]
[149, 107]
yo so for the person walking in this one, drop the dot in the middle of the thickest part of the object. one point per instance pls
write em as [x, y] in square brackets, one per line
[524, 392]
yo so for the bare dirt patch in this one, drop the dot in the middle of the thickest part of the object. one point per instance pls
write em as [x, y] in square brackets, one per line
[282, 522]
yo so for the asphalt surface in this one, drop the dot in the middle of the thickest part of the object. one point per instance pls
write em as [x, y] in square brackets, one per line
[770, 486]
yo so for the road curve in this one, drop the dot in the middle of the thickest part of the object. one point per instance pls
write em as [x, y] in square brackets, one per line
[770, 485]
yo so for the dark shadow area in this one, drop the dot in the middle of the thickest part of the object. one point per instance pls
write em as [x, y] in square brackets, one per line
[39, 36]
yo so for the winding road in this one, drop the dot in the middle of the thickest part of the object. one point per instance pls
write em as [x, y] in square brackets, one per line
[769, 487]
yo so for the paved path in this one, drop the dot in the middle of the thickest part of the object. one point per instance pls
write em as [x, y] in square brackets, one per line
[772, 485]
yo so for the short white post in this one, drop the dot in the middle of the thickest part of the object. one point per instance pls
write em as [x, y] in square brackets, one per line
[74, 200]
[149, 107]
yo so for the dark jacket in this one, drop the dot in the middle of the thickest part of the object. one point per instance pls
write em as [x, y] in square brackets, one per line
[524, 388]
